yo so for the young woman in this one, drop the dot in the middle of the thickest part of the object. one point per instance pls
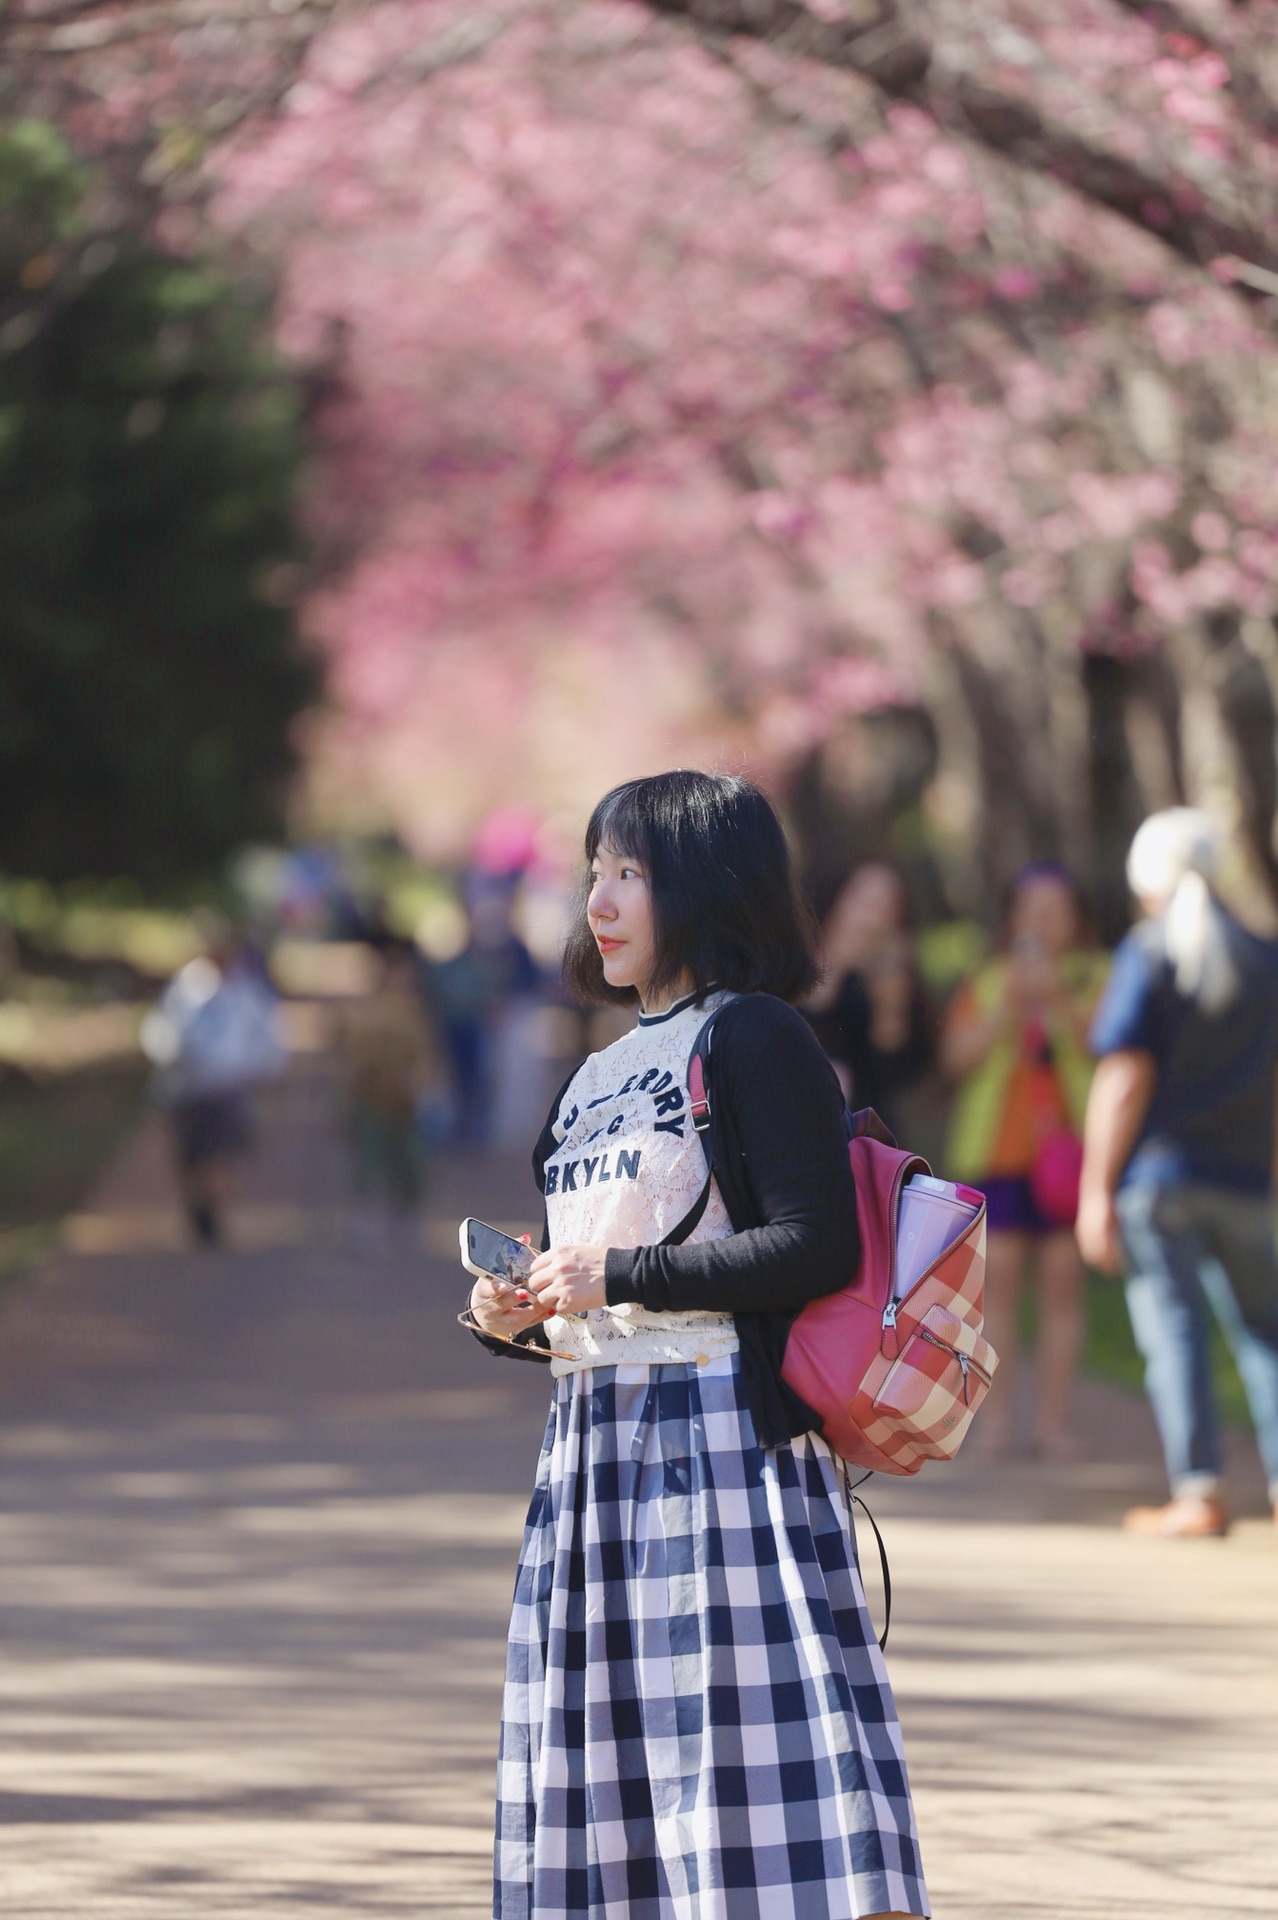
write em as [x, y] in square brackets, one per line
[698, 1724]
[870, 1012]
[1015, 1040]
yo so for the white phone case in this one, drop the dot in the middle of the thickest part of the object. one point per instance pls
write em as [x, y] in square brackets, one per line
[463, 1244]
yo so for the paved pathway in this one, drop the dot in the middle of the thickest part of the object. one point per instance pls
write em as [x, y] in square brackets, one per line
[257, 1520]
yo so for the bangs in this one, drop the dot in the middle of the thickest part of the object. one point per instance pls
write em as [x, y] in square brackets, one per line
[623, 824]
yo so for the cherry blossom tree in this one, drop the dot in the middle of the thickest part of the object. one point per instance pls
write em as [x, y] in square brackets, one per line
[702, 379]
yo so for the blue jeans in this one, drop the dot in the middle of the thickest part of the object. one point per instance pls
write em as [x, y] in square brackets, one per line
[1189, 1248]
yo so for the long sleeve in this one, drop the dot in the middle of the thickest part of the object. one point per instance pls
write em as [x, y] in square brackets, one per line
[781, 1161]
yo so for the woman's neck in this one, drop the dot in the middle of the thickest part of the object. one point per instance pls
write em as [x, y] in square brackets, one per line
[666, 997]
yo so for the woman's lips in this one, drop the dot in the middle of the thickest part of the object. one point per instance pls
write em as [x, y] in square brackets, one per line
[607, 946]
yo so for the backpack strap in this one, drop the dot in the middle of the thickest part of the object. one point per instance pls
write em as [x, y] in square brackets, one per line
[697, 1093]
[699, 1102]
[691, 1219]
[851, 1498]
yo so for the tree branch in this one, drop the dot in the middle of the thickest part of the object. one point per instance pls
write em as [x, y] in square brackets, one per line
[879, 40]
[876, 38]
[1176, 211]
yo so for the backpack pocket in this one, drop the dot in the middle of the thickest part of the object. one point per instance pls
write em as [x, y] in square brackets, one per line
[936, 1383]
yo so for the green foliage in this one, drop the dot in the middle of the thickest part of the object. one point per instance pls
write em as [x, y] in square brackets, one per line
[948, 953]
[102, 921]
[57, 1136]
[149, 454]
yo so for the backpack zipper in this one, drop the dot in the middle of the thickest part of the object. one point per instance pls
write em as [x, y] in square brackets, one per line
[890, 1341]
[965, 1361]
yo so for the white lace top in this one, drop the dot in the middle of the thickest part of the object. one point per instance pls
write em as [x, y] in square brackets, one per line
[627, 1169]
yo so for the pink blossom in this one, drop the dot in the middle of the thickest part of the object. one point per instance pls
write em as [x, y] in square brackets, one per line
[1211, 531]
[1016, 283]
[625, 382]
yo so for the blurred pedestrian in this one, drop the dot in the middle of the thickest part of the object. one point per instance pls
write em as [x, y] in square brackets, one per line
[1016, 1042]
[870, 1012]
[697, 1718]
[212, 1038]
[390, 1064]
[470, 990]
[1179, 1171]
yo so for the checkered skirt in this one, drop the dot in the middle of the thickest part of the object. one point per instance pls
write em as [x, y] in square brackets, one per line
[697, 1721]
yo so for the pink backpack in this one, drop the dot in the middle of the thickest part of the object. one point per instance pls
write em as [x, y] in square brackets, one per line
[896, 1382]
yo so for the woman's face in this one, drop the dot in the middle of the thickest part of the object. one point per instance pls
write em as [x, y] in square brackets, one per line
[619, 913]
[869, 910]
[1043, 915]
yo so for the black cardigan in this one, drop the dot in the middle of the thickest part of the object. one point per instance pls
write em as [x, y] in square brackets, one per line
[779, 1141]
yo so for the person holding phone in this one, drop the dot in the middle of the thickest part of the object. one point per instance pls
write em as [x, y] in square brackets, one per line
[697, 1717]
[870, 1011]
[1015, 1046]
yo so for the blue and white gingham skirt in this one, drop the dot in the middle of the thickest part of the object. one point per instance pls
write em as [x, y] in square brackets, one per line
[697, 1723]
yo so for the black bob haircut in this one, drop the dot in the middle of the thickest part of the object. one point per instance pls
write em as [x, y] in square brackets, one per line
[725, 906]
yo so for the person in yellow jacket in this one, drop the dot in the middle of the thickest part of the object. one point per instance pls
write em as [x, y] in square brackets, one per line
[1015, 1042]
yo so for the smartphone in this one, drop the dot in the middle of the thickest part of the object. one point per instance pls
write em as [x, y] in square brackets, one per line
[495, 1255]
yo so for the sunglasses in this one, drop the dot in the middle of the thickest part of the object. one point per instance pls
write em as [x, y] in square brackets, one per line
[467, 1319]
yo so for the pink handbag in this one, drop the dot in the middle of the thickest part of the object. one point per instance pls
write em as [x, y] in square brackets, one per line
[1058, 1162]
[1055, 1177]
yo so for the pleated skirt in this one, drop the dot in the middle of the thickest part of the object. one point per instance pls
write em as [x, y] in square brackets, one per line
[697, 1722]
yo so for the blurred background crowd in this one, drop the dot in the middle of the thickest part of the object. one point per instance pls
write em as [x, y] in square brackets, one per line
[417, 416]
[436, 996]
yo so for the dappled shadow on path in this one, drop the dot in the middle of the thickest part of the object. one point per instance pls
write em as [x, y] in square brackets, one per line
[258, 1513]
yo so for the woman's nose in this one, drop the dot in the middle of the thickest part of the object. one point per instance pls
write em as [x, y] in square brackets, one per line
[601, 905]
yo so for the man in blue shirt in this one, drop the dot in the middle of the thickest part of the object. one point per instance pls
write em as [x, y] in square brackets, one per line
[1179, 1165]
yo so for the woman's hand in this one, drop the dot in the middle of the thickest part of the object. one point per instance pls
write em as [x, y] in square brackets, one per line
[570, 1279]
[505, 1310]
[1034, 979]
